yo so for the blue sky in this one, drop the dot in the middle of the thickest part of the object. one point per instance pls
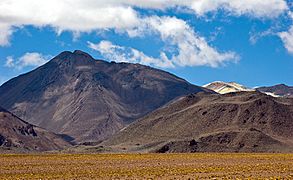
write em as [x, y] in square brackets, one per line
[249, 42]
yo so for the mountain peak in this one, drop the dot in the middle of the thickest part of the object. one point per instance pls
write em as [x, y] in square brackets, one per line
[224, 87]
[82, 53]
[64, 54]
[75, 57]
[281, 85]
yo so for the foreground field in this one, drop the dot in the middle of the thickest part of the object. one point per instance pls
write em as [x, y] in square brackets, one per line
[147, 166]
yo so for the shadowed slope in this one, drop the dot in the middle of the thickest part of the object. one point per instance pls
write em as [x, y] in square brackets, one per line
[16, 134]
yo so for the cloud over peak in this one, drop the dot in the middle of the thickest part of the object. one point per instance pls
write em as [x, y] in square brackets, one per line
[191, 49]
[91, 15]
[127, 54]
[188, 47]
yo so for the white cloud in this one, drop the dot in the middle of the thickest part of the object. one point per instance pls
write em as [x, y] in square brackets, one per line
[255, 36]
[94, 15]
[254, 8]
[90, 15]
[72, 15]
[5, 33]
[127, 54]
[191, 49]
[290, 14]
[9, 62]
[27, 60]
[287, 38]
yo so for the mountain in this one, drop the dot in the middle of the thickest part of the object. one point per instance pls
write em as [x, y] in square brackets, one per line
[234, 122]
[224, 87]
[88, 99]
[16, 134]
[278, 90]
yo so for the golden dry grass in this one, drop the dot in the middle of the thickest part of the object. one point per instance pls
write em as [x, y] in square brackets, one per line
[147, 166]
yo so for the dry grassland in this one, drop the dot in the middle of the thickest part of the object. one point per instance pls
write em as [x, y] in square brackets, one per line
[147, 166]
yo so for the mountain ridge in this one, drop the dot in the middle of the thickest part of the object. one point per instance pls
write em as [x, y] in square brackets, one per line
[233, 122]
[279, 90]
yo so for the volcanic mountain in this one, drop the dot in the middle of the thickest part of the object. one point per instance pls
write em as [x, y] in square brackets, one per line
[18, 135]
[233, 122]
[88, 99]
[224, 87]
[278, 90]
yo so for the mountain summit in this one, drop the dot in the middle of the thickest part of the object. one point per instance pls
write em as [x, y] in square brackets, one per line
[224, 87]
[89, 99]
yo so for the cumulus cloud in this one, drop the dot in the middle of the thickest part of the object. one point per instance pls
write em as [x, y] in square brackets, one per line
[191, 49]
[127, 54]
[121, 15]
[90, 15]
[72, 15]
[254, 8]
[27, 60]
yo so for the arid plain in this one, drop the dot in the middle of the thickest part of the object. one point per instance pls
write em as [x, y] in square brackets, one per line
[147, 166]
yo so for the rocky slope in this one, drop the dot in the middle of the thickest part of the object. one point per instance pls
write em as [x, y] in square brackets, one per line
[234, 122]
[88, 99]
[18, 135]
[278, 90]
